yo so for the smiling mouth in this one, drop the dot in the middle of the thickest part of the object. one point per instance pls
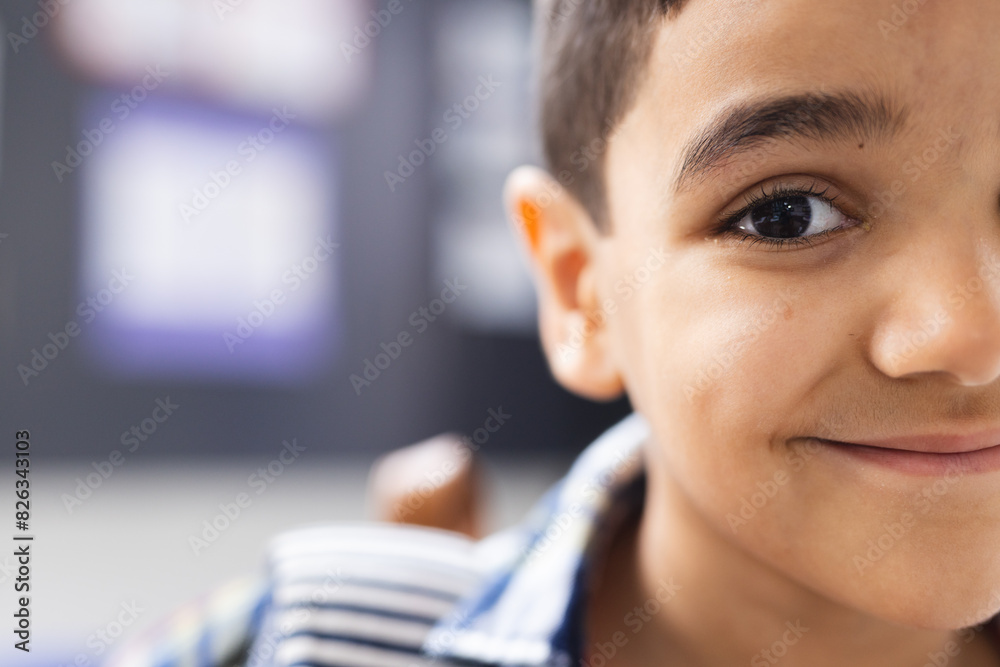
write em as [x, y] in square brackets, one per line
[935, 456]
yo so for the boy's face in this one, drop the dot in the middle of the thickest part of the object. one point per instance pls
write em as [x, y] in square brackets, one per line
[741, 355]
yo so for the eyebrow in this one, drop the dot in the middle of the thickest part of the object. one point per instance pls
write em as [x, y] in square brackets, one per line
[812, 117]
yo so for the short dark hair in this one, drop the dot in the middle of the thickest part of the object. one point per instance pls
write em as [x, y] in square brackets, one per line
[592, 55]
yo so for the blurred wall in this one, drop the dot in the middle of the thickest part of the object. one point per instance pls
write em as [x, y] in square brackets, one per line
[395, 248]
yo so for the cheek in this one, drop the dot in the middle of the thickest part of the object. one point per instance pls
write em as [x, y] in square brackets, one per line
[724, 361]
[719, 365]
[725, 376]
[722, 367]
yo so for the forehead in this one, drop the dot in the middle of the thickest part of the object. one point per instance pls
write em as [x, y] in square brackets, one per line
[728, 46]
[937, 61]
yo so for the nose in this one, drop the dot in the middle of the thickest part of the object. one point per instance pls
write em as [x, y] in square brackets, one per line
[943, 314]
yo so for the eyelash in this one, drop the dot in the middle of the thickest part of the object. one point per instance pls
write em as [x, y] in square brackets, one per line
[727, 226]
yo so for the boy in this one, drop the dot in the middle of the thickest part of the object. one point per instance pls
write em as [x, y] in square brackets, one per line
[774, 223]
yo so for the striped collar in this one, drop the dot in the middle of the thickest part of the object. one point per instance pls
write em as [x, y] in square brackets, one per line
[401, 596]
[528, 612]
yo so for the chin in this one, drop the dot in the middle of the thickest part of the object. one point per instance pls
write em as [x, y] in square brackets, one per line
[936, 595]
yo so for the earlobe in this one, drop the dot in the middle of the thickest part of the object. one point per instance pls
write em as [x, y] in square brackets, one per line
[563, 244]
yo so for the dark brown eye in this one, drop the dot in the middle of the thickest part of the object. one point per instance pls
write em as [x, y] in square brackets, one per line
[791, 217]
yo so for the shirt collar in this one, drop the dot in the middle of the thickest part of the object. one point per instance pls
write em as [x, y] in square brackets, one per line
[525, 613]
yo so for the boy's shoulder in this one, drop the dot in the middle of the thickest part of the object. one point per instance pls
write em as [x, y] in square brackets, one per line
[340, 593]
[391, 594]
[351, 594]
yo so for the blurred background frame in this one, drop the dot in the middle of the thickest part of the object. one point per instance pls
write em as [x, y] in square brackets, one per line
[232, 229]
[373, 87]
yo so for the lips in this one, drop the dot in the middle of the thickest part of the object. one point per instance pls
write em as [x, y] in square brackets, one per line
[927, 455]
[938, 443]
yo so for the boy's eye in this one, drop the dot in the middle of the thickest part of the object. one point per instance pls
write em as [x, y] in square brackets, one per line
[791, 217]
[786, 217]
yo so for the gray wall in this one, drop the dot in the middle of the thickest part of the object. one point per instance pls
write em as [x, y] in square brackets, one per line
[446, 383]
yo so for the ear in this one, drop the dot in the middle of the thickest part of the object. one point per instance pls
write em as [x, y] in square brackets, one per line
[562, 244]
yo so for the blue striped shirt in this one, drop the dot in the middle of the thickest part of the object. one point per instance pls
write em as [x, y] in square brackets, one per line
[387, 595]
